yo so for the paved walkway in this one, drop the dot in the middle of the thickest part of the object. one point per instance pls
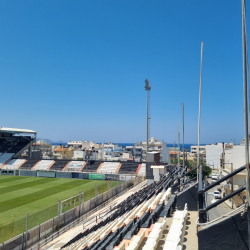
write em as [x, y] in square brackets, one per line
[67, 236]
[190, 241]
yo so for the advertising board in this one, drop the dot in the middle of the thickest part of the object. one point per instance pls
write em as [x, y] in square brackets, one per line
[112, 177]
[46, 174]
[96, 176]
[124, 177]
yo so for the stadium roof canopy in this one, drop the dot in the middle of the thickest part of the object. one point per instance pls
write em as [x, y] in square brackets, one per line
[16, 130]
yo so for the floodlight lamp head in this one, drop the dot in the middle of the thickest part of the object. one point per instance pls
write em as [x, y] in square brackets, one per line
[147, 85]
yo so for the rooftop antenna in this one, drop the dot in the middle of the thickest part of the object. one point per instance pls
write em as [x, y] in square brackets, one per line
[148, 88]
[245, 92]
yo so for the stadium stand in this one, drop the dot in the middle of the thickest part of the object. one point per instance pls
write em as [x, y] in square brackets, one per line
[29, 164]
[91, 166]
[13, 144]
[10, 145]
[59, 165]
[109, 167]
[136, 223]
[43, 165]
[74, 166]
[5, 157]
[128, 167]
[14, 164]
[142, 170]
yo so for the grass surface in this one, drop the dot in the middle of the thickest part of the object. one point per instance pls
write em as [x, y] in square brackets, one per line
[38, 197]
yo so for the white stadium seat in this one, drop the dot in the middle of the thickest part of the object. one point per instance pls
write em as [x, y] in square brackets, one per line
[43, 165]
[109, 167]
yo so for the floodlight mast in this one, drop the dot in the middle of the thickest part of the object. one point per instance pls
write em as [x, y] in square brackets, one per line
[148, 88]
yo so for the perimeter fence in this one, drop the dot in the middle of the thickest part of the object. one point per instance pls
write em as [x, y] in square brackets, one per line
[36, 230]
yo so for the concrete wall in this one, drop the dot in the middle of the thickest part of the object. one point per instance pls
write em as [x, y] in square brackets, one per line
[27, 173]
[83, 175]
[7, 172]
[236, 155]
[230, 233]
[46, 174]
[63, 175]
[213, 153]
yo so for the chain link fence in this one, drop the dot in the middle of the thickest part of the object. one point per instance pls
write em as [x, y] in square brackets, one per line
[53, 223]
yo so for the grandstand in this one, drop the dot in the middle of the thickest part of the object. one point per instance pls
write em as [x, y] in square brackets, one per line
[75, 166]
[132, 168]
[43, 165]
[92, 166]
[14, 164]
[59, 165]
[139, 222]
[13, 142]
[108, 167]
[141, 169]
[128, 167]
[29, 164]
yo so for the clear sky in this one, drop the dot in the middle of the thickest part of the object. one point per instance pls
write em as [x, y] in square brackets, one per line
[75, 69]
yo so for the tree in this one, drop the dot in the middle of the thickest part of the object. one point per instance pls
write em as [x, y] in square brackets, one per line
[206, 170]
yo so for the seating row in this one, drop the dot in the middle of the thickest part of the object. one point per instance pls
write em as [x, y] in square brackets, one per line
[125, 223]
[176, 233]
[155, 235]
[43, 165]
[142, 170]
[109, 167]
[5, 157]
[74, 166]
[14, 164]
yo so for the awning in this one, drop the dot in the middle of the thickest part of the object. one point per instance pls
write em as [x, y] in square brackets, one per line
[16, 130]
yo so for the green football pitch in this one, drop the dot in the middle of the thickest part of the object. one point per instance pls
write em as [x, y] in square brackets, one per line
[38, 197]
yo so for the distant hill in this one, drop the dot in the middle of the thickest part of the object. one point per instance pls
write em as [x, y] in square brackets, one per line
[50, 141]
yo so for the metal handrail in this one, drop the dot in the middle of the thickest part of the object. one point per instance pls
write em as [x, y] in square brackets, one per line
[202, 190]
[241, 208]
[222, 200]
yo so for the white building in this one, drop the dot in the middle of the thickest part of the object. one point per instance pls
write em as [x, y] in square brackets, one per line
[83, 144]
[112, 152]
[87, 154]
[138, 151]
[213, 155]
[202, 152]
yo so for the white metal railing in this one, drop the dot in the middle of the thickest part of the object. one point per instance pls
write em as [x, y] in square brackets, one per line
[235, 211]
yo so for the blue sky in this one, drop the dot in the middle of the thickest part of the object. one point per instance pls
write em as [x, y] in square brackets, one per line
[75, 70]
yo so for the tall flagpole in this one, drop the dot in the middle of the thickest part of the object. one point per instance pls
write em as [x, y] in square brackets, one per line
[245, 91]
[178, 144]
[199, 119]
[183, 134]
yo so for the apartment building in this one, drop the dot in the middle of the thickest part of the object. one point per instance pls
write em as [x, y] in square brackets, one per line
[63, 153]
[138, 151]
[112, 152]
[202, 151]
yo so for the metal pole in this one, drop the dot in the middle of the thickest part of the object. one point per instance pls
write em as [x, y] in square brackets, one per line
[59, 207]
[26, 239]
[199, 119]
[183, 134]
[178, 144]
[232, 184]
[108, 185]
[147, 128]
[80, 197]
[245, 94]
[95, 190]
